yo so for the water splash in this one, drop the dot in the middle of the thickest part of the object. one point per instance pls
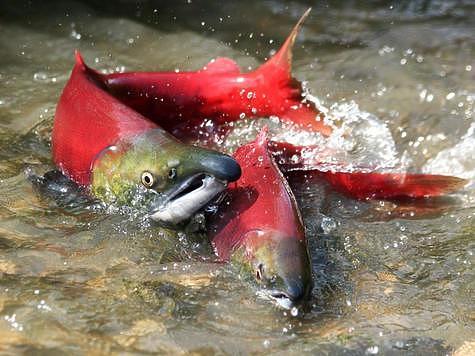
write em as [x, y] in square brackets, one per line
[359, 139]
[458, 160]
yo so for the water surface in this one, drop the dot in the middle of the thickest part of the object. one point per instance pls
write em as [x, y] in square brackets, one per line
[389, 277]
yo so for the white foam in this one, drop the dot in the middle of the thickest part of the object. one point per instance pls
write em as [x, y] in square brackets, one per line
[458, 160]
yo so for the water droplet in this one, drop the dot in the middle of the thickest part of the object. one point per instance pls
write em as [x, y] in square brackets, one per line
[294, 311]
[423, 94]
[295, 159]
[76, 35]
[399, 344]
[372, 350]
[450, 96]
[328, 225]
[242, 115]
[40, 77]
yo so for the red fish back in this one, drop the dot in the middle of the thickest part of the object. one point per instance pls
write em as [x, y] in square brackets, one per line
[260, 200]
[87, 120]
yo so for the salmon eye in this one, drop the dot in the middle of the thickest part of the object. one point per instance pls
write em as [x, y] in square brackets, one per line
[147, 179]
[172, 173]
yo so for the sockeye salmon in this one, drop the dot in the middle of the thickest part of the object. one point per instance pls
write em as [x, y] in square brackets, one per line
[260, 229]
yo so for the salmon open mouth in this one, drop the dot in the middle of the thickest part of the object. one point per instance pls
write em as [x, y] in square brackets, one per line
[182, 201]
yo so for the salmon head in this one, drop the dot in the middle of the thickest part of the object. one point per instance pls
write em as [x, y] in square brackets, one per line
[125, 159]
[173, 180]
[278, 263]
[260, 230]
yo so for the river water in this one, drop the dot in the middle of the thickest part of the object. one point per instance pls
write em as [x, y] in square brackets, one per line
[390, 277]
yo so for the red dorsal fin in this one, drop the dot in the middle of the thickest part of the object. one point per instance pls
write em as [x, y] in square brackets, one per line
[262, 137]
[283, 58]
[93, 74]
[222, 65]
[79, 59]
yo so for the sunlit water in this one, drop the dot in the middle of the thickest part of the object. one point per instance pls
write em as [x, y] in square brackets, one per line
[389, 277]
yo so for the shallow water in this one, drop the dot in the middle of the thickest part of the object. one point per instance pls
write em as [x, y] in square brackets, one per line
[389, 277]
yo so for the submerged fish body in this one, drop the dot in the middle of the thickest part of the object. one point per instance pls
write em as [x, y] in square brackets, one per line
[105, 145]
[260, 228]
[361, 182]
[219, 92]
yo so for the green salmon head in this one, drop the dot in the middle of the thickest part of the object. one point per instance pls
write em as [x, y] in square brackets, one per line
[279, 264]
[174, 180]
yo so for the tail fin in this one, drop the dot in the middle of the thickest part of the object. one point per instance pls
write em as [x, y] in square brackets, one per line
[279, 68]
[392, 185]
[282, 60]
[366, 185]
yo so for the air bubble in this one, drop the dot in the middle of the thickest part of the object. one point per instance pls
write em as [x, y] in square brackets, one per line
[40, 77]
[328, 225]
[372, 350]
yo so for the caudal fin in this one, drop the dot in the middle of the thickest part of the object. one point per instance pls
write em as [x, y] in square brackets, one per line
[282, 60]
[392, 185]
[278, 70]
[364, 185]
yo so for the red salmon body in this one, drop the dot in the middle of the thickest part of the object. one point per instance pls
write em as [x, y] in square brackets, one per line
[260, 200]
[259, 227]
[220, 92]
